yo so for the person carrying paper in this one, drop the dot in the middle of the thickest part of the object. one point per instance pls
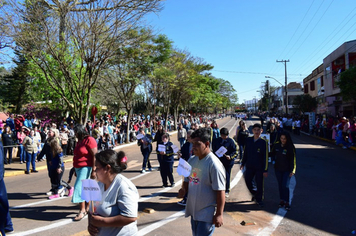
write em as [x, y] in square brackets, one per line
[116, 213]
[167, 160]
[255, 161]
[225, 149]
[186, 152]
[145, 144]
[205, 186]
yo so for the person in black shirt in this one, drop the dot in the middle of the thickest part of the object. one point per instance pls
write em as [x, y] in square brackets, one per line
[158, 139]
[242, 135]
[145, 144]
[228, 158]
[8, 138]
[284, 159]
[255, 162]
[167, 160]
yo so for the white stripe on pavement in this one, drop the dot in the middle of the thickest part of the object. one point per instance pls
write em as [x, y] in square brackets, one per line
[142, 199]
[175, 216]
[160, 223]
[47, 227]
[276, 220]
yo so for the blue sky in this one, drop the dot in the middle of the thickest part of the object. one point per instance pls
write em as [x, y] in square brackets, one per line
[242, 39]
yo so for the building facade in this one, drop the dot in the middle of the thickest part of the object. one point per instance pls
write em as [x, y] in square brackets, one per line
[334, 64]
[322, 82]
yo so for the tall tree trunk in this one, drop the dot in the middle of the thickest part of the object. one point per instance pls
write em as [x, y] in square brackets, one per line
[128, 124]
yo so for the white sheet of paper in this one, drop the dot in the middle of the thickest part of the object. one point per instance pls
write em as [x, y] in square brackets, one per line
[268, 138]
[90, 190]
[184, 168]
[175, 148]
[140, 136]
[221, 151]
[161, 148]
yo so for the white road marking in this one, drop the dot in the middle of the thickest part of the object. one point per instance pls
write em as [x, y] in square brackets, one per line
[142, 199]
[177, 215]
[276, 220]
[47, 227]
[160, 223]
[36, 203]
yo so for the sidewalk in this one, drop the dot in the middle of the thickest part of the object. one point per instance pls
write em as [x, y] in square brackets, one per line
[325, 139]
[16, 168]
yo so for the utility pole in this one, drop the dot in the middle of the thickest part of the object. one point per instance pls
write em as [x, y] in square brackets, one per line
[286, 84]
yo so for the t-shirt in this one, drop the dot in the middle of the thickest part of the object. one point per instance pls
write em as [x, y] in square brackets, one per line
[82, 156]
[207, 176]
[121, 198]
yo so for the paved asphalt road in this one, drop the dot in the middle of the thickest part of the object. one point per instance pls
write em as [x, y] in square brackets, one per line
[323, 200]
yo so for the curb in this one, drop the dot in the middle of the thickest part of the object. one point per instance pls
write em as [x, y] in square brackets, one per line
[326, 140]
[9, 173]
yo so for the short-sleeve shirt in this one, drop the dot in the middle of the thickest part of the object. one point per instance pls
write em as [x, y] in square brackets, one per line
[82, 157]
[121, 198]
[207, 177]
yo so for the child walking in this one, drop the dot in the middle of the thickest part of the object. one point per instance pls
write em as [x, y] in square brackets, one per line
[56, 172]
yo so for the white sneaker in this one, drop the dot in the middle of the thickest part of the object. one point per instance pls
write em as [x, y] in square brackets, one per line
[143, 171]
[61, 192]
[49, 193]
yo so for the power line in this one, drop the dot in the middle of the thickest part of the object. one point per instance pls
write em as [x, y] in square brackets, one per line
[328, 39]
[300, 23]
[311, 30]
[306, 27]
[246, 72]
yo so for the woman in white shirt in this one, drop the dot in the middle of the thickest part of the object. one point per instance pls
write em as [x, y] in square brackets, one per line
[116, 214]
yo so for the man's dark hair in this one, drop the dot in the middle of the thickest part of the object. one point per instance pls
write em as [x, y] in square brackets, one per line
[203, 134]
[224, 131]
[257, 125]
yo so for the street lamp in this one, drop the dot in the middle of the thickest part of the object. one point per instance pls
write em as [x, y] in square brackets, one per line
[285, 99]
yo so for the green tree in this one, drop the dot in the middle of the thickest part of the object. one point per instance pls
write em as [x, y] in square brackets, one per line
[347, 84]
[132, 65]
[305, 103]
[15, 86]
[75, 41]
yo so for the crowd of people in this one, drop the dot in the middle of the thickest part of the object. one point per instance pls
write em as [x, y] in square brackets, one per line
[209, 149]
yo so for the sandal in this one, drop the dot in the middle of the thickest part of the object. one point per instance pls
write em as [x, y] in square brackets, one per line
[80, 215]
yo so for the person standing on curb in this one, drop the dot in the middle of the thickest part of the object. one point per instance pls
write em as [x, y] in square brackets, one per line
[31, 145]
[182, 135]
[207, 179]
[255, 162]
[5, 218]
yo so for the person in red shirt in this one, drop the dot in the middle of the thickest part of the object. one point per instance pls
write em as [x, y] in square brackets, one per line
[84, 164]
[19, 122]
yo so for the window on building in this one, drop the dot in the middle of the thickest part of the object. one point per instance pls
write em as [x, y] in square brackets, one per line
[306, 88]
[322, 81]
[312, 85]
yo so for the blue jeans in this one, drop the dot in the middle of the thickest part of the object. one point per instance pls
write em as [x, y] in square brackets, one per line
[146, 161]
[200, 228]
[5, 218]
[181, 141]
[283, 180]
[241, 151]
[30, 158]
[22, 153]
